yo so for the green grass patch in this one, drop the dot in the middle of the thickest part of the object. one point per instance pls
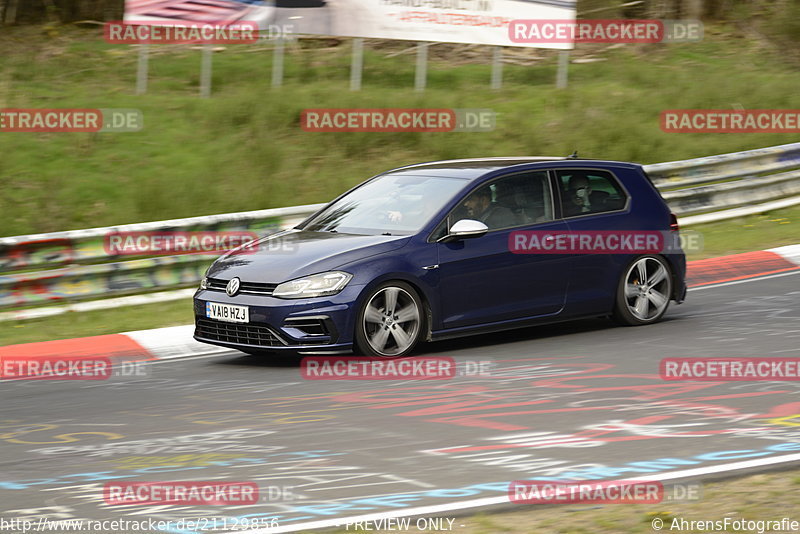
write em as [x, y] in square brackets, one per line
[763, 497]
[757, 232]
[99, 322]
[758, 497]
[243, 149]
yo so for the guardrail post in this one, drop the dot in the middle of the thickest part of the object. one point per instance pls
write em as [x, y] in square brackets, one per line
[421, 75]
[357, 65]
[205, 70]
[563, 66]
[277, 63]
[497, 67]
[141, 69]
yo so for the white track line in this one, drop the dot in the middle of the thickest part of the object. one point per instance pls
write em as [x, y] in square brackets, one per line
[489, 501]
[734, 282]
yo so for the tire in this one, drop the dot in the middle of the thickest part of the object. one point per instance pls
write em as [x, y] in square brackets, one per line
[640, 303]
[395, 334]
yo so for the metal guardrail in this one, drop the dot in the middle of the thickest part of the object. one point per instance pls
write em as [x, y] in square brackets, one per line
[725, 166]
[73, 265]
[86, 246]
[728, 180]
[733, 194]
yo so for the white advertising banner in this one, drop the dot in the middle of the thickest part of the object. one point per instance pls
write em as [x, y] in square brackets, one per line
[484, 22]
[455, 21]
[193, 12]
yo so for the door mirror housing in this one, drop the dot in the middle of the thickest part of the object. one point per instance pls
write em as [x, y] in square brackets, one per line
[465, 229]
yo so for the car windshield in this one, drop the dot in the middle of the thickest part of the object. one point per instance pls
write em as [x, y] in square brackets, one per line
[392, 204]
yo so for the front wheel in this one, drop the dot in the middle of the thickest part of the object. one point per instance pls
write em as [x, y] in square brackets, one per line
[644, 291]
[391, 321]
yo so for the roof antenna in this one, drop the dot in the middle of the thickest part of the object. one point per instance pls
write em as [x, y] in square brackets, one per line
[574, 155]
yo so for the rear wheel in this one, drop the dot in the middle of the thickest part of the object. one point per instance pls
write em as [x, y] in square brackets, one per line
[644, 291]
[391, 321]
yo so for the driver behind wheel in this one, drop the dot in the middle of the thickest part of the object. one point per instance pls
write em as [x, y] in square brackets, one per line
[479, 206]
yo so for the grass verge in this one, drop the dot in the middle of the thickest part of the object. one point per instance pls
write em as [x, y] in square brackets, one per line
[243, 148]
[763, 497]
[98, 322]
[756, 232]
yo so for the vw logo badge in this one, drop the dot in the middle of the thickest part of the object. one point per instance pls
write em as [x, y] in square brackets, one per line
[233, 287]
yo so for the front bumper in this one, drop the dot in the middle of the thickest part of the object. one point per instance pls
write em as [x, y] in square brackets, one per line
[322, 325]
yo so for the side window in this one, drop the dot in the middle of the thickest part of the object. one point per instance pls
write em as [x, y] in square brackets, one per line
[589, 191]
[516, 200]
[441, 230]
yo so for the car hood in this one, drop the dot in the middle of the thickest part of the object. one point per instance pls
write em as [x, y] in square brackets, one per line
[295, 253]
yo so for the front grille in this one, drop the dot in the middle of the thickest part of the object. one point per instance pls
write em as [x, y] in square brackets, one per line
[244, 334]
[247, 288]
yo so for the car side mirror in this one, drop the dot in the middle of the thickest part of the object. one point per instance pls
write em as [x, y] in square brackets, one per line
[465, 229]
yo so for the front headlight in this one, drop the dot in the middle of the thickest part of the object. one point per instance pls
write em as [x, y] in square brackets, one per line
[316, 285]
[204, 283]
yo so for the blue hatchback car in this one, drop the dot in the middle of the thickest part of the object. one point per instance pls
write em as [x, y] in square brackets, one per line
[447, 249]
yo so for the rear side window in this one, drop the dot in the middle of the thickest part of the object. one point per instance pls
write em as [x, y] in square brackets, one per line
[585, 191]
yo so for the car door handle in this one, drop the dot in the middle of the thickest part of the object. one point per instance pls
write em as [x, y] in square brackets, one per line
[431, 267]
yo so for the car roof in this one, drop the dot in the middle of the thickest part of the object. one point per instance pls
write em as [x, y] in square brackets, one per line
[474, 168]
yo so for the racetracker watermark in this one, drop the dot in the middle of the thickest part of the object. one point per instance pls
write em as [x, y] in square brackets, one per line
[185, 493]
[157, 243]
[70, 368]
[403, 524]
[397, 120]
[71, 120]
[274, 32]
[171, 32]
[730, 120]
[200, 524]
[603, 242]
[338, 368]
[566, 31]
[730, 369]
[728, 524]
[604, 492]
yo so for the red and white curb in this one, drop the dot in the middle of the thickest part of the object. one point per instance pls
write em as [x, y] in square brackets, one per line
[790, 253]
[171, 342]
[177, 342]
[141, 345]
[744, 265]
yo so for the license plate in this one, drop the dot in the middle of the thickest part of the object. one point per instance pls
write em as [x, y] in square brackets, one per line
[227, 312]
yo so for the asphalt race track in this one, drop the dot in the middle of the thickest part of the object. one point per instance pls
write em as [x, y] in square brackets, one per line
[574, 401]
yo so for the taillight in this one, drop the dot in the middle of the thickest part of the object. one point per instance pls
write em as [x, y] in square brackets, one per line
[673, 223]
